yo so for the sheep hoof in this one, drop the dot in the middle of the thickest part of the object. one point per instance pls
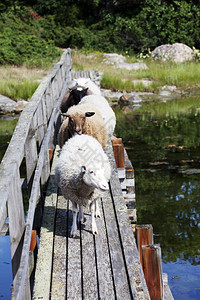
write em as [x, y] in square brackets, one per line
[95, 232]
[81, 220]
[97, 215]
[72, 234]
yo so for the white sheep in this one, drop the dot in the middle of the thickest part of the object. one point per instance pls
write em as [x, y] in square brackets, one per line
[104, 108]
[82, 170]
[88, 83]
[83, 119]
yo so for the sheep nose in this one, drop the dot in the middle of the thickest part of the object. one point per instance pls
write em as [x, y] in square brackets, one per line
[79, 131]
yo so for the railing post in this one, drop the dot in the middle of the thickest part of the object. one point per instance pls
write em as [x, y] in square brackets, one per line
[144, 236]
[152, 267]
[118, 150]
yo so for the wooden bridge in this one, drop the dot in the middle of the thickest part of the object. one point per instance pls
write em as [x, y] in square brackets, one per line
[55, 266]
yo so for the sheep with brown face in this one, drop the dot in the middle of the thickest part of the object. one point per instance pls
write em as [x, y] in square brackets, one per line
[83, 119]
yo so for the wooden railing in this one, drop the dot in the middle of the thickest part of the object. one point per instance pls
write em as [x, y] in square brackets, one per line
[26, 165]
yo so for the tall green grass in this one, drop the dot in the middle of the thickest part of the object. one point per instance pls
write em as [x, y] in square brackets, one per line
[183, 75]
[18, 90]
[20, 82]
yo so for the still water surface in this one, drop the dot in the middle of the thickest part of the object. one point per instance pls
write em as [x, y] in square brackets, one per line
[163, 143]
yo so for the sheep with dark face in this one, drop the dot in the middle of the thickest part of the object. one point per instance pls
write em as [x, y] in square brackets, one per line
[82, 171]
[83, 119]
[88, 83]
[73, 96]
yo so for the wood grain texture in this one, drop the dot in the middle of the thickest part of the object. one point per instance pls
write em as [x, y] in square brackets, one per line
[58, 285]
[90, 284]
[104, 268]
[118, 267]
[136, 279]
[74, 269]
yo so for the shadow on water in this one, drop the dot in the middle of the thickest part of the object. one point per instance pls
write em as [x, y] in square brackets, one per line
[163, 143]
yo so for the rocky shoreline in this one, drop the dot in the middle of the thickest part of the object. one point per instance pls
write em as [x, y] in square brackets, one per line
[9, 106]
[127, 101]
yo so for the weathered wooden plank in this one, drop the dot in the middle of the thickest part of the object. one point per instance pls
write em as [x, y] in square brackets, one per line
[40, 128]
[13, 158]
[31, 154]
[5, 230]
[118, 267]
[90, 284]
[136, 279]
[104, 268]
[167, 292]
[58, 285]
[121, 173]
[45, 251]
[74, 270]
[16, 231]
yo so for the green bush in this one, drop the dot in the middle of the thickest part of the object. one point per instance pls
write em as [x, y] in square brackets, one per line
[96, 25]
[21, 43]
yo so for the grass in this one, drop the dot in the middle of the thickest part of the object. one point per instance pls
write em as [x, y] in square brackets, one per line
[20, 82]
[183, 75]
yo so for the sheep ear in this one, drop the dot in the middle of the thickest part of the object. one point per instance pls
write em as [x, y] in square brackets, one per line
[89, 114]
[83, 169]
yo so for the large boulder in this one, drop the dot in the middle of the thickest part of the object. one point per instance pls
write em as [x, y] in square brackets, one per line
[177, 53]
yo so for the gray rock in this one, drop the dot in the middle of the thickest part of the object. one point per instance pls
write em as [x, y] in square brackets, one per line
[177, 53]
[5, 101]
[120, 62]
[132, 66]
[128, 101]
[20, 105]
[165, 93]
[8, 105]
[114, 58]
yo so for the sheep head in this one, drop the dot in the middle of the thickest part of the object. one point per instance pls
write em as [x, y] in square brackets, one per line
[94, 176]
[78, 93]
[76, 122]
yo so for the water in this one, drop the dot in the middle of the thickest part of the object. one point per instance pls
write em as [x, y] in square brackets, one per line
[163, 143]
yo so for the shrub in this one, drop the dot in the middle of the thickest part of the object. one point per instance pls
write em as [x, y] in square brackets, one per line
[21, 43]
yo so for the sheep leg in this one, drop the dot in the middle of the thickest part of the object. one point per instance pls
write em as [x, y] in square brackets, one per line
[81, 215]
[92, 210]
[97, 210]
[74, 225]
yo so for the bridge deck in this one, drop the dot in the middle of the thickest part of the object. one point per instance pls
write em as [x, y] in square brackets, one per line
[105, 266]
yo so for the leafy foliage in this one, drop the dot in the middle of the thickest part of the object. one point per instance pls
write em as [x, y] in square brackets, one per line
[96, 25]
[21, 43]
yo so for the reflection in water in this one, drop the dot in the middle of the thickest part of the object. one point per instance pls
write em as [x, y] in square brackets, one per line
[7, 126]
[163, 143]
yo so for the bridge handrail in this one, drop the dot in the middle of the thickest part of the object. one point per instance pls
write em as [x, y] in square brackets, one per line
[31, 139]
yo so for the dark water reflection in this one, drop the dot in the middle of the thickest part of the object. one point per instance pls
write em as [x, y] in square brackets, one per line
[164, 146]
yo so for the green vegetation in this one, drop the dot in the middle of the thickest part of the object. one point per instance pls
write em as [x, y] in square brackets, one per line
[184, 75]
[6, 129]
[20, 82]
[30, 31]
